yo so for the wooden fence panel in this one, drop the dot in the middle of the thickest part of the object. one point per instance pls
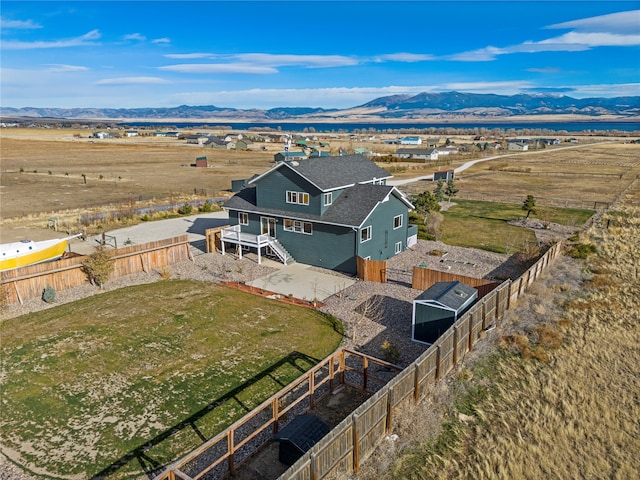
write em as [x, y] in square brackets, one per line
[29, 282]
[371, 424]
[334, 453]
[461, 338]
[371, 270]
[446, 347]
[490, 303]
[403, 386]
[475, 323]
[503, 295]
[426, 370]
[423, 278]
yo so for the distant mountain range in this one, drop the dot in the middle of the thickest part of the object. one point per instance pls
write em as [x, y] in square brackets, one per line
[423, 106]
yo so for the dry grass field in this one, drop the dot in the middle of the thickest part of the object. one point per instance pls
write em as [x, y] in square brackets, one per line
[554, 394]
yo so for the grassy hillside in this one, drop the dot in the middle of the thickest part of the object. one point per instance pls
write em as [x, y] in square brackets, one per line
[141, 375]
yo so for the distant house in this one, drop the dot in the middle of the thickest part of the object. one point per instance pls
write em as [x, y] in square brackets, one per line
[448, 150]
[393, 141]
[411, 141]
[518, 146]
[320, 153]
[417, 153]
[201, 162]
[197, 139]
[244, 144]
[102, 135]
[215, 142]
[290, 156]
[361, 151]
[131, 133]
[432, 142]
[321, 211]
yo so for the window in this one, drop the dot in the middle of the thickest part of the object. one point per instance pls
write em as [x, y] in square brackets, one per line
[243, 218]
[301, 198]
[328, 198]
[298, 226]
[397, 221]
[365, 234]
[398, 247]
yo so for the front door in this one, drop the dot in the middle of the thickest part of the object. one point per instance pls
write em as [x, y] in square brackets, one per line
[268, 225]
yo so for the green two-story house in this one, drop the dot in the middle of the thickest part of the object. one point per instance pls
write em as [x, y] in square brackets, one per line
[323, 211]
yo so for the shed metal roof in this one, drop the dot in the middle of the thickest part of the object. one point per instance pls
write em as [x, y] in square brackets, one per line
[449, 295]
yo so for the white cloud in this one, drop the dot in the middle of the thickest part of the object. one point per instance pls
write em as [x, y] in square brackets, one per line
[7, 24]
[60, 67]
[621, 23]
[83, 40]
[132, 81]
[207, 68]
[405, 57]
[135, 36]
[184, 56]
[614, 30]
[163, 40]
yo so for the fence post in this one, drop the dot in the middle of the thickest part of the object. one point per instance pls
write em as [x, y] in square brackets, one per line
[231, 449]
[389, 425]
[438, 363]
[311, 389]
[313, 466]
[275, 407]
[356, 444]
[416, 383]
[455, 345]
[365, 371]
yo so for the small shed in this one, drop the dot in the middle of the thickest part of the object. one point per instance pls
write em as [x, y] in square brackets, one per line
[298, 436]
[201, 162]
[438, 307]
[445, 175]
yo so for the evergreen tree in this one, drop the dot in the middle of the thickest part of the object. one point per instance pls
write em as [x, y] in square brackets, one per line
[425, 203]
[451, 190]
[439, 191]
[529, 205]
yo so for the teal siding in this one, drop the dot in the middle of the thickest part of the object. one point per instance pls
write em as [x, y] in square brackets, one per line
[329, 247]
[271, 192]
[335, 194]
[384, 237]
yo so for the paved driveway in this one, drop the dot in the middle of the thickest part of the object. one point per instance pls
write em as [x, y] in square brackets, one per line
[193, 225]
[303, 282]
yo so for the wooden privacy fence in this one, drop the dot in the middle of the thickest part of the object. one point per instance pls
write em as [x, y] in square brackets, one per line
[371, 270]
[29, 282]
[223, 454]
[346, 447]
[212, 236]
[423, 278]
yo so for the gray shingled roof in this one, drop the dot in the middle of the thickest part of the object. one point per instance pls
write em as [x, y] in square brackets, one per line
[328, 173]
[351, 208]
[453, 295]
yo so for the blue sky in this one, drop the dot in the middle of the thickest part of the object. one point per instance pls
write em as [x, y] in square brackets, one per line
[331, 54]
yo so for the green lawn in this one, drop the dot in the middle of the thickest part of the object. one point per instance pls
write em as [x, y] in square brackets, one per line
[88, 384]
[483, 225]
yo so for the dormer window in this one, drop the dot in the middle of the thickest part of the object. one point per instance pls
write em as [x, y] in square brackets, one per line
[328, 199]
[300, 198]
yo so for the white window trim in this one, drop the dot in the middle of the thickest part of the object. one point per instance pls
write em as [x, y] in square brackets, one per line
[328, 199]
[297, 226]
[370, 234]
[297, 197]
[394, 222]
[243, 214]
[398, 248]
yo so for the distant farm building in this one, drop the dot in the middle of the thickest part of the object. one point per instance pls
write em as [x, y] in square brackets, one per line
[201, 162]
[444, 175]
[131, 133]
[438, 307]
[244, 144]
